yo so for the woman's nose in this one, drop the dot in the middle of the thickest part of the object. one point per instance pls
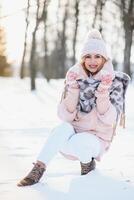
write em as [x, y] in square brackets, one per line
[92, 60]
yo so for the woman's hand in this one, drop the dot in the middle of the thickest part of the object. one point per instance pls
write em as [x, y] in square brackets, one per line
[71, 79]
[106, 81]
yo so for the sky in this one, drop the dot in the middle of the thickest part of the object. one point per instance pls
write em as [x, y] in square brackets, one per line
[12, 17]
[13, 21]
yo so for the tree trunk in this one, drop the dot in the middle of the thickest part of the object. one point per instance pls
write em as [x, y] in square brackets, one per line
[127, 50]
[22, 69]
[32, 60]
[46, 63]
[97, 5]
[128, 22]
[33, 50]
[76, 29]
[99, 8]
[62, 51]
[46, 71]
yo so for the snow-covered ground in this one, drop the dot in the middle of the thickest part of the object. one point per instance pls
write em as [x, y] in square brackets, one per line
[26, 119]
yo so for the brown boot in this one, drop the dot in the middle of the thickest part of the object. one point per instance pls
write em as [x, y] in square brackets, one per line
[87, 167]
[34, 175]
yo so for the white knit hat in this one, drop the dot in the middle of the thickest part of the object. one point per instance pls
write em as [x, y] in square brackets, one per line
[94, 44]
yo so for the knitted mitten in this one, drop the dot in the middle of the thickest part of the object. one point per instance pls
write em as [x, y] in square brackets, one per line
[33, 177]
[87, 167]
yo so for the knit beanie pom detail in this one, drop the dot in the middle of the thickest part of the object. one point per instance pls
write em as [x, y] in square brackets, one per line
[94, 34]
[94, 43]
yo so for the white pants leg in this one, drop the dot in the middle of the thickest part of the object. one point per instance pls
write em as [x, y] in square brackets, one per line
[63, 138]
[84, 146]
[58, 138]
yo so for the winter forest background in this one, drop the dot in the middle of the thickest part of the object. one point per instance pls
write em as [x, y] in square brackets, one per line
[42, 38]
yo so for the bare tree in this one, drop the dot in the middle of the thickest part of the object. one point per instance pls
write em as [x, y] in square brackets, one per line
[33, 50]
[76, 7]
[99, 8]
[127, 10]
[22, 69]
[60, 51]
[95, 13]
[46, 70]
[39, 18]
[62, 37]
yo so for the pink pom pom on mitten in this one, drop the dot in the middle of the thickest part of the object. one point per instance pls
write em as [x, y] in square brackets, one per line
[106, 81]
[71, 79]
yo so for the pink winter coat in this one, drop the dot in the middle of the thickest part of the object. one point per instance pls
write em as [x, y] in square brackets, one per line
[101, 120]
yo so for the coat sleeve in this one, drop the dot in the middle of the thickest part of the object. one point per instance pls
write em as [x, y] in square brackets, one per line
[106, 111]
[67, 107]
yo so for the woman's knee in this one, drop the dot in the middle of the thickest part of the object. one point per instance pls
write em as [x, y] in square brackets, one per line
[64, 128]
[82, 140]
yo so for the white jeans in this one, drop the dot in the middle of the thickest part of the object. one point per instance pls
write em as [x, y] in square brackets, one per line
[63, 138]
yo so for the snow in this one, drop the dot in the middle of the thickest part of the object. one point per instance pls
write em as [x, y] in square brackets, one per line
[26, 119]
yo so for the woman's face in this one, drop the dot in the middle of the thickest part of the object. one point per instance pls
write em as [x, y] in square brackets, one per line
[94, 63]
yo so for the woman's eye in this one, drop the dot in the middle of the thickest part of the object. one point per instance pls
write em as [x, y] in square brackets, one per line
[98, 56]
[88, 56]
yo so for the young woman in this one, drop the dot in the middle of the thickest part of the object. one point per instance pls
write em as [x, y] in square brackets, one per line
[92, 102]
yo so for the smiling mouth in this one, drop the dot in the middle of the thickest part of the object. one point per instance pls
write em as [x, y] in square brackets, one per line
[93, 66]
